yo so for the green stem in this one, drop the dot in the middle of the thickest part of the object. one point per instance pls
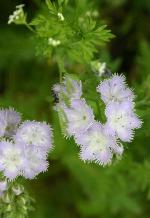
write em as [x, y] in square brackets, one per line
[61, 69]
[29, 27]
[60, 76]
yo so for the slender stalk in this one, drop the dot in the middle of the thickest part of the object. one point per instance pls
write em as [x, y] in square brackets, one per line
[29, 27]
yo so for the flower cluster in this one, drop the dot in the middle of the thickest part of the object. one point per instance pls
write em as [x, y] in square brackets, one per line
[18, 15]
[23, 146]
[98, 142]
[120, 112]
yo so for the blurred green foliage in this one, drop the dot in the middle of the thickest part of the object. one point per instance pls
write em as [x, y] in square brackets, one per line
[71, 188]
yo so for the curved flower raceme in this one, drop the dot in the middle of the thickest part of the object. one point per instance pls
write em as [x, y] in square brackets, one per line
[98, 143]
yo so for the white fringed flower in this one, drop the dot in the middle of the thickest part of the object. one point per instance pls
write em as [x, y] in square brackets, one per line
[80, 116]
[96, 144]
[121, 120]
[115, 90]
[35, 133]
[11, 159]
[35, 162]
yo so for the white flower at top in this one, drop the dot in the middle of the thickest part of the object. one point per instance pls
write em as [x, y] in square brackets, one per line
[121, 120]
[35, 133]
[18, 15]
[80, 116]
[115, 90]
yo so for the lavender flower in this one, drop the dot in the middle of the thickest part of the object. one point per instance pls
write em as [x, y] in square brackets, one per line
[35, 162]
[114, 89]
[121, 120]
[35, 133]
[9, 121]
[80, 116]
[11, 159]
[96, 144]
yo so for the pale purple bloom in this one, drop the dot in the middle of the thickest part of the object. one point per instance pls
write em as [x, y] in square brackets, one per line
[35, 133]
[79, 116]
[21, 159]
[115, 90]
[96, 144]
[121, 120]
[9, 121]
[35, 162]
[11, 159]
